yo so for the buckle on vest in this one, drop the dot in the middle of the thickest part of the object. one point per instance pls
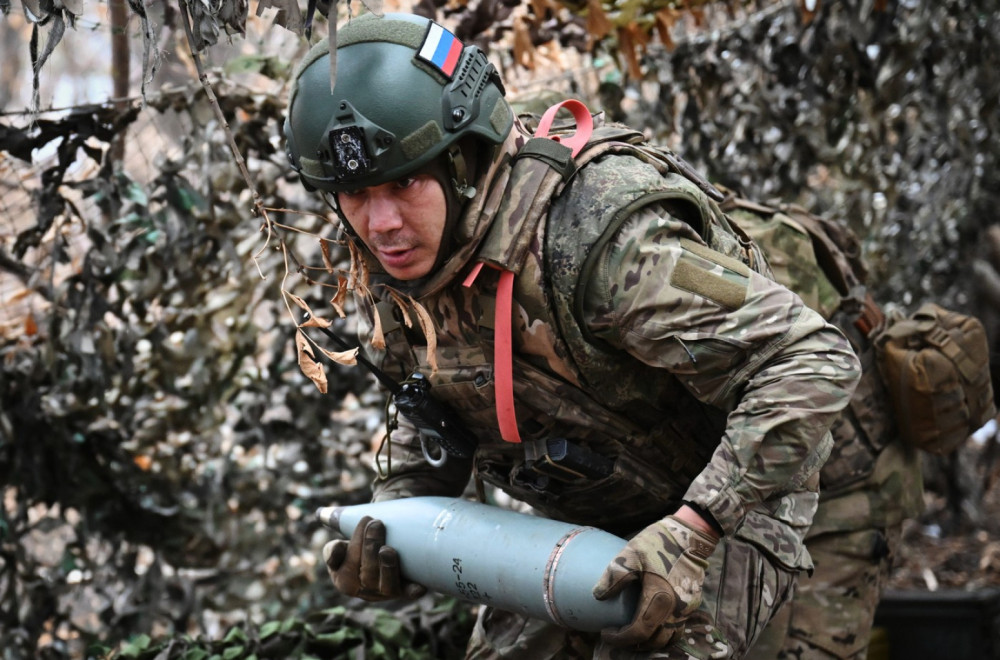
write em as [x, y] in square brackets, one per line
[565, 461]
[871, 316]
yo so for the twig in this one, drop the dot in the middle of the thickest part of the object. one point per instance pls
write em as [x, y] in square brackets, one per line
[258, 205]
[15, 267]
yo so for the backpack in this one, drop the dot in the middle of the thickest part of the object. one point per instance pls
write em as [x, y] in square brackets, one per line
[934, 363]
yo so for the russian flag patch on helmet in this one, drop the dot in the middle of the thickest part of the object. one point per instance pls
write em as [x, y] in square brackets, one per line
[441, 49]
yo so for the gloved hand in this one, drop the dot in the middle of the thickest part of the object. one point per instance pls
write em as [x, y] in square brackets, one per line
[669, 559]
[366, 567]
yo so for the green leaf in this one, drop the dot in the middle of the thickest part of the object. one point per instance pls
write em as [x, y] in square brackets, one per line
[68, 562]
[99, 650]
[136, 193]
[233, 652]
[135, 646]
[377, 650]
[389, 627]
[269, 629]
[195, 654]
[235, 634]
[130, 218]
[339, 637]
[339, 610]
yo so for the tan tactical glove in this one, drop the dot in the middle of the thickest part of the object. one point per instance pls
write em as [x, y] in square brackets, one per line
[366, 567]
[669, 559]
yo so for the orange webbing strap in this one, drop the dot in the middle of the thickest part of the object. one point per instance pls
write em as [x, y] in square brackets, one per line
[503, 342]
[584, 124]
[503, 352]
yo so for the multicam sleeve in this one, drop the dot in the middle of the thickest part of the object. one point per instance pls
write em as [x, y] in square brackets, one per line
[737, 341]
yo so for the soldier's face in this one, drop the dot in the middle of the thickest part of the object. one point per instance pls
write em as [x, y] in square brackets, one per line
[401, 222]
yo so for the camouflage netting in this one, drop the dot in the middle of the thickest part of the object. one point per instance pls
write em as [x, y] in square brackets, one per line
[888, 119]
[160, 450]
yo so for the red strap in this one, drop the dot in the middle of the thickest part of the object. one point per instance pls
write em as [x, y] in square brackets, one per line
[503, 358]
[503, 343]
[503, 352]
[584, 124]
[473, 274]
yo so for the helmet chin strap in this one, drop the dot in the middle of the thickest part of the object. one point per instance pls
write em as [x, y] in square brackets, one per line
[335, 206]
[454, 173]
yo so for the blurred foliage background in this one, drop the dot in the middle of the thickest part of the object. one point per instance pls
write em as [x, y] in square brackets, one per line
[160, 451]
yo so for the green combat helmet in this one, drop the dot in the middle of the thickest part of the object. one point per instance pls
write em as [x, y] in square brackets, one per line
[406, 91]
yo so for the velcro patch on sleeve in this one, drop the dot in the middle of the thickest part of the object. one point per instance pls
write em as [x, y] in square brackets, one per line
[723, 280]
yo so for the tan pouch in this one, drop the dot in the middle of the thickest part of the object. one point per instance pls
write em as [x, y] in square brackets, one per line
[936, 368]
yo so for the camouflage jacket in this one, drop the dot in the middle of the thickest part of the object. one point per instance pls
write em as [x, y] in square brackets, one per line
[642, 334]
[872, 478]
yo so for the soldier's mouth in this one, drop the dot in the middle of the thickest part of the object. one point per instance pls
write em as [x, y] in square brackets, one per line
[395, 257]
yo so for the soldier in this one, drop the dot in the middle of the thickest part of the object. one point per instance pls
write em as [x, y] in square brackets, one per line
[619, 317]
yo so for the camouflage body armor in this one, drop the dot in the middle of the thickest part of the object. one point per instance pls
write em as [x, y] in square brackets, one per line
[568, 385]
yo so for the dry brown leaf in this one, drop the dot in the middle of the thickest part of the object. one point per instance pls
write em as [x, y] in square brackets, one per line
[30, 327]
[362, 271]
[339, 298]
[299, 301]
[402, 304]
[665, 22]
[348, 358]
[427, 326]
[524, 50]
[307, 361]
[352, 275]
[598, 25]
[313, 321]
[629, 39]
[539, 10]
[809, 10]
[21, 294]
[144, 462]
[358, 277]
[324, 247]
[378, 337]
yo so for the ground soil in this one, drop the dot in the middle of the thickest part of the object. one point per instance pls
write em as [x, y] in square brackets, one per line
[955, 544]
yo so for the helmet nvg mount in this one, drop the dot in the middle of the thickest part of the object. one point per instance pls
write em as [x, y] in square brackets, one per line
[406, 90]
